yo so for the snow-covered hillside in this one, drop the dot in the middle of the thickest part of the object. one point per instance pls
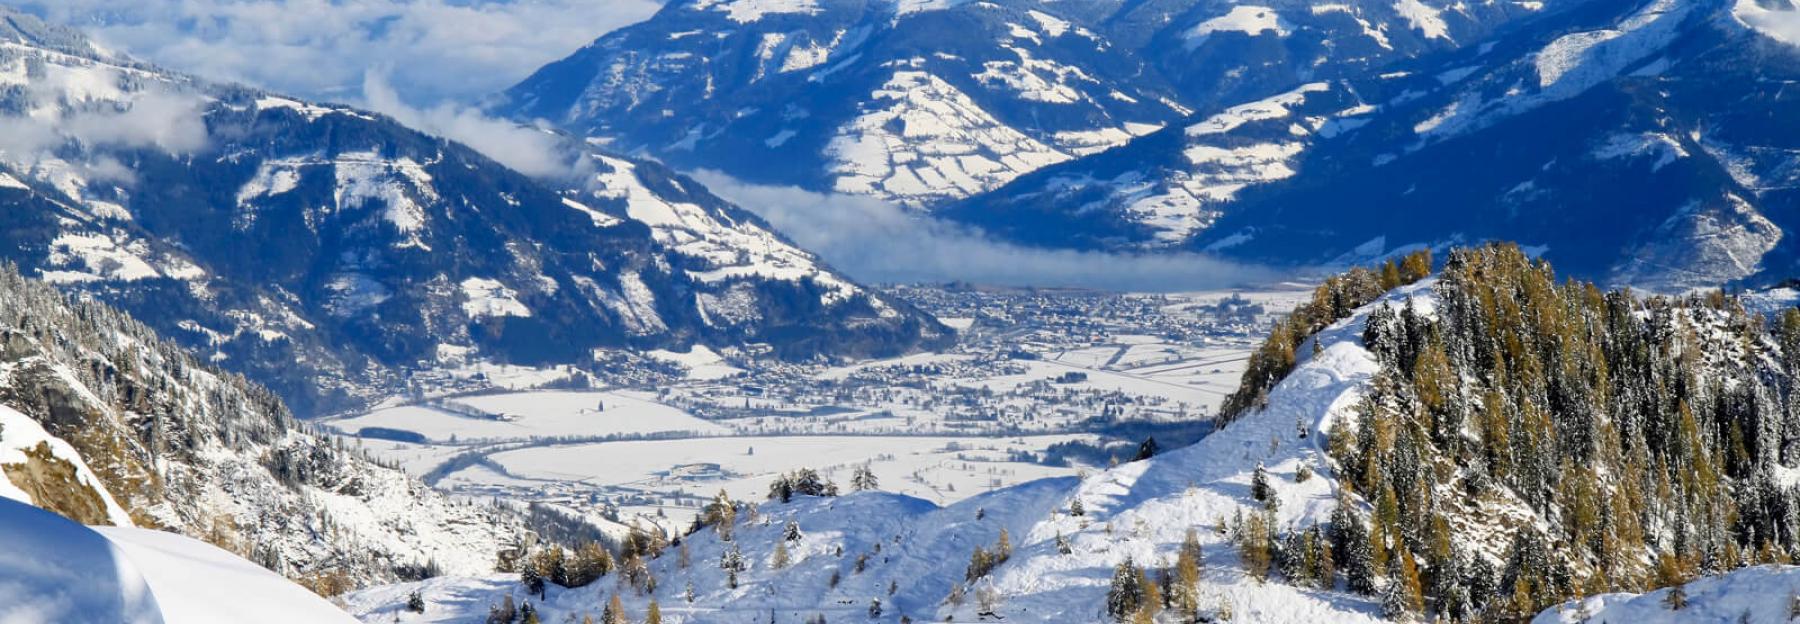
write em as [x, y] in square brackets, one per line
[1760, 594]
[380, 248]
[1635, 142]
[926, 102]
[55, 570]
[106, 423]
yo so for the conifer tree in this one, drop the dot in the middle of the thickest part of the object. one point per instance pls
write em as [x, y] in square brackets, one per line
[1259, 484]
[1146, 450]
[614, 613]
[533, 582]
[864, 479]
[1126, 596]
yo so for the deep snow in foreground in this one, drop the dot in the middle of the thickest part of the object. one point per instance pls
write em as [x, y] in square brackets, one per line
[54, 570]
[1759, 594]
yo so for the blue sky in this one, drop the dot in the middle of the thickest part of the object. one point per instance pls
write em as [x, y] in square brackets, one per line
[429, 51]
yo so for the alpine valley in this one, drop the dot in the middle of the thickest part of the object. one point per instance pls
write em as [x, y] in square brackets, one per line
[1500, 319]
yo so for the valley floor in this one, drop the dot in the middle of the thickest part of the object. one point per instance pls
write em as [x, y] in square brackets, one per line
[1042, 384]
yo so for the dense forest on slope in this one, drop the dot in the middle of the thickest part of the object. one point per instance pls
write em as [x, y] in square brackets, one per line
[1527, 441]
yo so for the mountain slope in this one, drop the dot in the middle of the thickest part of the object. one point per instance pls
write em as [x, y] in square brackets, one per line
[379, 249]
[924, 102]
[1636, 142]
[106, 423]
[1451, 448]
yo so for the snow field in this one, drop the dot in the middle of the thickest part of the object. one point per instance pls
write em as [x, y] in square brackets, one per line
[540, 414]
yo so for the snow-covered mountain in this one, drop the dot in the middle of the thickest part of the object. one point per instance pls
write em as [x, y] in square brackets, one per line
[324, 250]
[104, 422]
[1636, 142]
[1292, 506]
[927, 101]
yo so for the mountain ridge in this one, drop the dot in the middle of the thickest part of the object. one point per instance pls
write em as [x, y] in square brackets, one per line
[382, 250]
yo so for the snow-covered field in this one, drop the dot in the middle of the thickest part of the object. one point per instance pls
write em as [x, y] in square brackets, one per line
[1033, 370]
[674, 477]
[538, 414]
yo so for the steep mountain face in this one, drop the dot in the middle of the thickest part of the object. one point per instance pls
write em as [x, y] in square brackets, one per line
[323, 250]
[106, 423]
[1483, 445]
[1635, 142]
[927, 101]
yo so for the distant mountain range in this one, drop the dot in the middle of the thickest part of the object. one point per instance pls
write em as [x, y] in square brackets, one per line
[1638, 142]
[326, 251]
[928, 101]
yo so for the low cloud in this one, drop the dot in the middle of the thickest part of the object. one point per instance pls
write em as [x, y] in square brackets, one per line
[156, 119]
[528, 150]
[440, 49]
[874, 241]
[174, 123]
[1780, 24]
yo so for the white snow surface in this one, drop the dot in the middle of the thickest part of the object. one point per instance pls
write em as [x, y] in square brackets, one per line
[1248, 19]
[1223, 163]
[1758, 594]
[197, 583]
[701, 362]
[747, 11]
[1779, 24]
[484, 298]
[921, 140]
[1424, 18]
[1566, 67]
[54, 570]
[1701, 246]
[729, 250]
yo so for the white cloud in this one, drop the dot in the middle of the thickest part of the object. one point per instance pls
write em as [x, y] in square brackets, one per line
[873, 241]
[1779, 24]
[526, 150]
[153, 119]
[171, 122]
[439, 49]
